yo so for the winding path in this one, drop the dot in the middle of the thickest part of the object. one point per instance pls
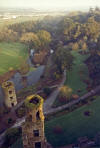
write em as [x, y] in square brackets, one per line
[47, 105]
[49, 102]
[60, 108]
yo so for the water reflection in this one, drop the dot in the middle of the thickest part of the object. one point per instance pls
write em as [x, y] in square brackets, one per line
[31, 79]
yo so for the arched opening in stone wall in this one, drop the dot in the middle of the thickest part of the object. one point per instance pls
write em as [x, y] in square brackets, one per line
[38, 115]
[38, 145]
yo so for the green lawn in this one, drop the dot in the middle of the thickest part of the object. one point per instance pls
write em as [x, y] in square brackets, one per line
[78, 73]
[74, 125]
[76, 76]
[11, 56]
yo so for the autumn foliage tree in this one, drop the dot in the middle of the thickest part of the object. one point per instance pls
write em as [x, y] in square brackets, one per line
[65, 92]
[44, 38]
[39, 40]
[30, 39]
[84, 46]
[91, 29]
[75, 46]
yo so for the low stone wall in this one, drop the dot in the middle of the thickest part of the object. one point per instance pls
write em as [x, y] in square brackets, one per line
[60, 108]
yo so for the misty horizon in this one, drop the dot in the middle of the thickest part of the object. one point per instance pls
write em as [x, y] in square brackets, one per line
[50, 4]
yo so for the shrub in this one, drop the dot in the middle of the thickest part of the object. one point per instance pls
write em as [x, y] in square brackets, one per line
[57, 129]
[21, 112]
[6, 110]
[10, 121]
[24, 67]
[11, 69]
[65, 92]
[62, 99]
[47, 90]
[12, 135]
[87, 113]
[57, 76]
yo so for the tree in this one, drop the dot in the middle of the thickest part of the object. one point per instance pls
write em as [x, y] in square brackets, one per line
[44, 38]
[65, 91]
[75, 46]
[24, 66]
[84, 46]
[63, 59]
[31, 39]
[40, 40]
[94, 68]
[71, 29]
[8, 35]
[91, 29]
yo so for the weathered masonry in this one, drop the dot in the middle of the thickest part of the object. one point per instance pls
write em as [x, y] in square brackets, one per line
[10, 99]
[33, 128]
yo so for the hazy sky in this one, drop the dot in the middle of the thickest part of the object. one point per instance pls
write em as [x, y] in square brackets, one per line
[48, 4]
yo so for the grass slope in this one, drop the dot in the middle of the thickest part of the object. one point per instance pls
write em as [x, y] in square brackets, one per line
[76, 76]
[74, 125]
[11, 56]
[78, 73]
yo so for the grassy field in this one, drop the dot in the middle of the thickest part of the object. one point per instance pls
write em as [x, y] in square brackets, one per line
[76, 76]
[74, 125]
[11, 56]
[78, 73]
[4, 23]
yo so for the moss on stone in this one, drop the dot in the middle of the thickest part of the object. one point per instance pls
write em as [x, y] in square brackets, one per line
[33, 101]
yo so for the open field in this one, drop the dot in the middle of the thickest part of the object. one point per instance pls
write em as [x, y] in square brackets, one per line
[11, 56]
[74, 125]
[75, 77]
[6, 22]
[78, 73]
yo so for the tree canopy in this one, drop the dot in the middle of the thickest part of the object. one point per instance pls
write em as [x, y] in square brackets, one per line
[63, 59]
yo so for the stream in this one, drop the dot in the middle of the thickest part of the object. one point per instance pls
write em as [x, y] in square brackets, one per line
[31, 79]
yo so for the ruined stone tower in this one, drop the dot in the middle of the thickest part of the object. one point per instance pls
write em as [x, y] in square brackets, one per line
[10, 95]
[33, 128]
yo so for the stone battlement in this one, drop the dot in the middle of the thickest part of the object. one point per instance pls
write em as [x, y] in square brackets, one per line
[33, 128]
[7, 84]
[10, 99]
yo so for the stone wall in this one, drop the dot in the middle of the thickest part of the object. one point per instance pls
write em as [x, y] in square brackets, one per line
[33, 128]
[10, 99]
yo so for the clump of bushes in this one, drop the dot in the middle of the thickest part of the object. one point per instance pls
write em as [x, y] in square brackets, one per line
[65, 94]
[47, 91]
[87, 113]
[56, 76]
[21, 112]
